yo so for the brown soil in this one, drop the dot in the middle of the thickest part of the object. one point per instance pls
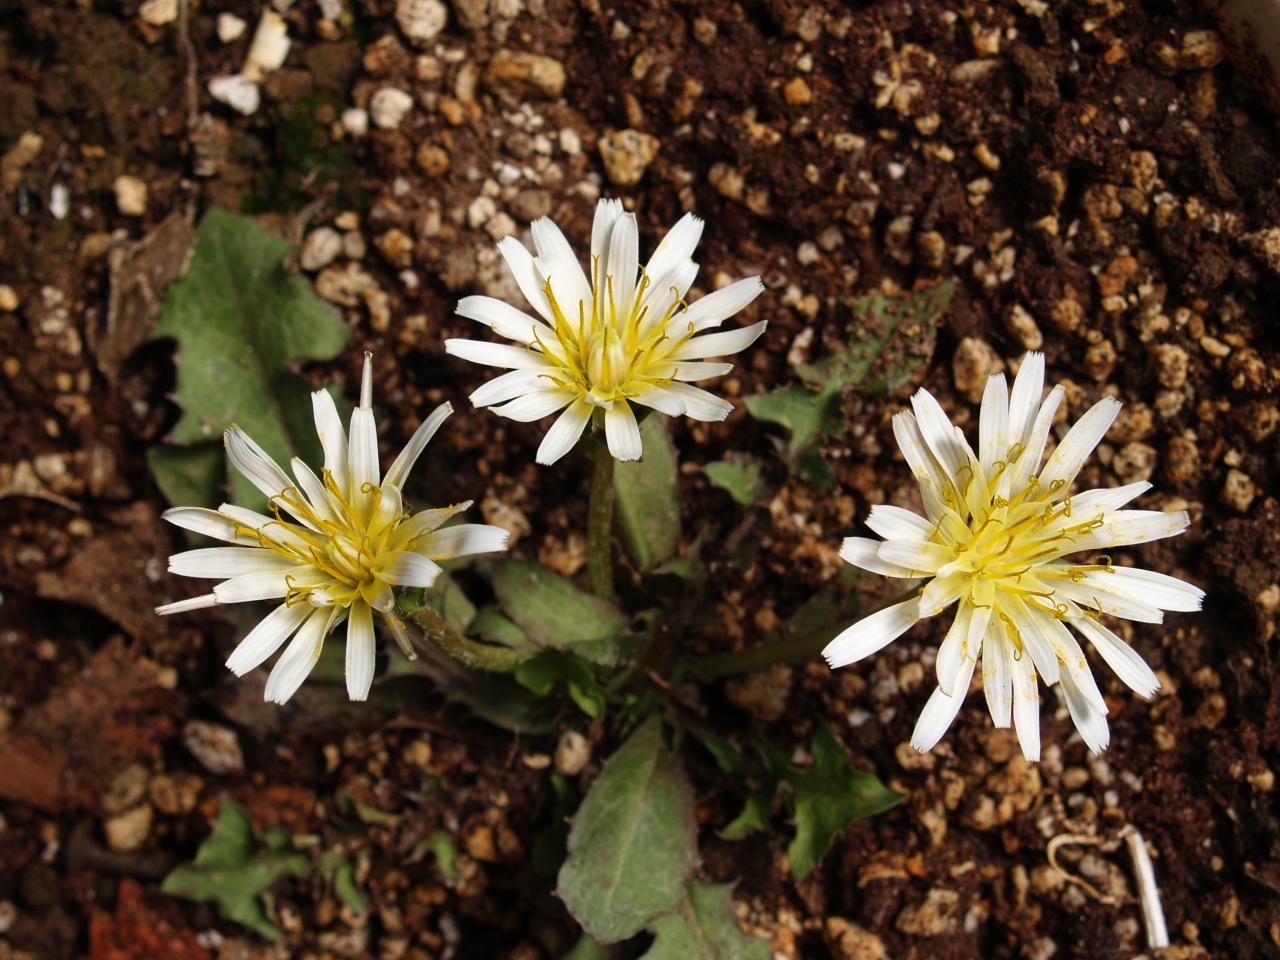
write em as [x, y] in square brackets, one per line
[1099, 178]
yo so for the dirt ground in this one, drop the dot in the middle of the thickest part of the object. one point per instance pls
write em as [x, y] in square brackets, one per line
[1099, 177]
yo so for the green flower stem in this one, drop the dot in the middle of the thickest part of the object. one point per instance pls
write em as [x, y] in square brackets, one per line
[804, 646]
[600, 527]
[469, 653]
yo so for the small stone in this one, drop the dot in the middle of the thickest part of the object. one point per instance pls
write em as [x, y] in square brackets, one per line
[1182, 463]
[807, 254]
[217, 748]
[848, 941]
[1265, 246]
[270, 46]
[727, 180]
[421, 20]
[175, 794]
[1100, 360]
[129, 830]
[573, 752]
[937, 914]
[762, 693]
[1172, 363]
[797, 92]
[389, 106]
[433, 159]
[131, 195]
[1200, 50]
[627, 154]
[1023, 326]
[1238, 491]
[8, 298]
[510, 518]
[973, 363]
[158, 12]
[1066, 314]
[355, 120]
[704, 31]
[59, 201]
[473, 14]
[127, 788]
[518, 72]
[570, 142]
[1134, 462]
[320, 249]
[396, 246]
[230, 27]
[237, 92]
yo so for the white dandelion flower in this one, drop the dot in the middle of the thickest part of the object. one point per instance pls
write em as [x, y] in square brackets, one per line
[624, 335]
[998, 539]
[335, 545]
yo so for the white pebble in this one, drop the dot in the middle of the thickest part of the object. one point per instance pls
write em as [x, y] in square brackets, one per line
[320, 249]
[59, 201]
[355, 120]
[131, 195]
[269, 48]
[159, 12]
[421, 20]
[230, 27]
[388, 107]
[237, 91]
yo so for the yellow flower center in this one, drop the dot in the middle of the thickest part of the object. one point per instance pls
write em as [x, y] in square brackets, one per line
[611, 349]
[344, 546]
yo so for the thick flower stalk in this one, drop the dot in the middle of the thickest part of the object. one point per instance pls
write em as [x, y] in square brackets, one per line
[623, 335]
[1005, 540]
[334, 546]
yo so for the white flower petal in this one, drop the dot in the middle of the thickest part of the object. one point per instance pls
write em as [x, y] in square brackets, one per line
[255, 463]
[872, 633]
[362, 651]
[1093, 503]
[504, 319]
[564, 433]
[423, 523]
[404, 568]
[299, 658]
[557, 262]
[715, 308]
[183, 606]
[210, 523]
[997, 679]
[463, 540]
[1032, 451]
[508, 386]
[622, 432]
[993, 423]
[1157, 589]
[721, 344]
[861, 552]
[318, 498]
[942, 591]
[1026, 708]
[497, 354]
[940, 712]
[1087, 432]
[1126, 528]
[663, 295]
[362, 459]
[1033, 639]
[676, 247]
[920, 557]
[1098, 593]
[690, 370]
[1119, 656]
[607, 214]
[219, 563]
[698, 403]
[955, 653]
[896, 523]
[1087, 713]
[528, 279]
[269, 585]
[1024, 403]
[535, 405]
[660, 399]
[928, 472]
[265, 638]
[403, 464]
[621, 267]
[333, 437]
[943, 438]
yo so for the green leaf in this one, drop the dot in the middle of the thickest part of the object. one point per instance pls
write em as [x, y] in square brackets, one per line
[194, 476]
[441, 844]
[242, 321]
[888, 340]
[646, 498]
[740, 479]
[588, 949]
[754, 816]
[449, 600]
[556, 614]
[828, 797]
[706, 928]
[234, 871]
[633, 844]
[493, 625]
[552, 671]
